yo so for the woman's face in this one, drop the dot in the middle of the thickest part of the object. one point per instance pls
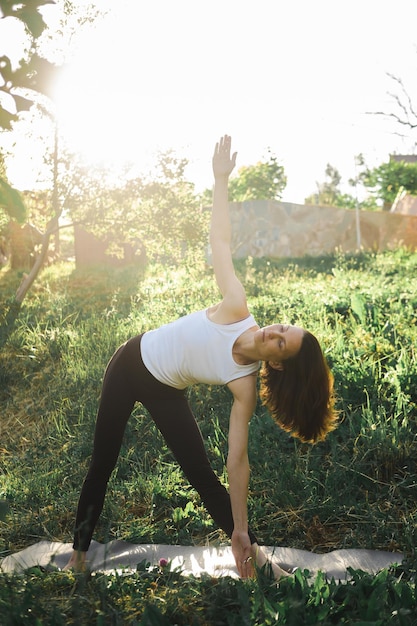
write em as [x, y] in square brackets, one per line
[278, 342]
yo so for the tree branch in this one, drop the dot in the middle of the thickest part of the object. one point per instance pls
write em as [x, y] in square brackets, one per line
[405, 93]
[397, 119]
[407, 115]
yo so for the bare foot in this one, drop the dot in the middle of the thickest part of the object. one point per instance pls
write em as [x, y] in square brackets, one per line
[262, 560]
[77, 562]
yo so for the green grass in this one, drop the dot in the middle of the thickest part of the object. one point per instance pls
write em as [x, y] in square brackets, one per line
[357, 489]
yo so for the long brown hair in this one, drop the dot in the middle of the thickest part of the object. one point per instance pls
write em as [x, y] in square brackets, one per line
[300, 396]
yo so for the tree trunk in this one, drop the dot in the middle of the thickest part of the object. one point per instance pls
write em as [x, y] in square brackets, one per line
[30, 278]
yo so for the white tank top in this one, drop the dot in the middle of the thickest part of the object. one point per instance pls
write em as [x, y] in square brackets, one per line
[193, 349]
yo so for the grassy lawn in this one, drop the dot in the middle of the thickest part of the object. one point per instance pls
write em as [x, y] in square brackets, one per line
[357, 489]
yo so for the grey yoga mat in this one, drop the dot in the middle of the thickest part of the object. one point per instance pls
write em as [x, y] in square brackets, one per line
[196, 560]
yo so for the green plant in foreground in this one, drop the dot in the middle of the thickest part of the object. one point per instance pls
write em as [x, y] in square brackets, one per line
[157, 595]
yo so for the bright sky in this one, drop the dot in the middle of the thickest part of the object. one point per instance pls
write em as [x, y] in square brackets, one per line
[295, 76]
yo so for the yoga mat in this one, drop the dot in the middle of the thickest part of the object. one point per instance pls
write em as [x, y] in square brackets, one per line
[214, 561]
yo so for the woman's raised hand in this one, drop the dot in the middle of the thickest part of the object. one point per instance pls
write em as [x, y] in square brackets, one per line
[223, 162]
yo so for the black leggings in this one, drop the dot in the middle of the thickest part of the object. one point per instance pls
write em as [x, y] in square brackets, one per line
[127, 381]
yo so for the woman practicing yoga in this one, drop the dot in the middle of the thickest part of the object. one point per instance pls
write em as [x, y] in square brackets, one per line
[220, 345]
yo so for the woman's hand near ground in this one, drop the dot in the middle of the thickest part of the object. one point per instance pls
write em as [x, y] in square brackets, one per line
[248, 555]
[242, 551]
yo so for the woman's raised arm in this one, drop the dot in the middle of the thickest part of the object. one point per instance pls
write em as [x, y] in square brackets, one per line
[234, 299]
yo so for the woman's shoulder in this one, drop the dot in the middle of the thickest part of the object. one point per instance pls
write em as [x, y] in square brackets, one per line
[223, 313]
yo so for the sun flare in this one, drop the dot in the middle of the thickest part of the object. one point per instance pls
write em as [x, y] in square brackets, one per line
[98, 118]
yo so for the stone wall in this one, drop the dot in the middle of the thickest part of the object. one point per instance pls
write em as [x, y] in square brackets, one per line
[279, 229]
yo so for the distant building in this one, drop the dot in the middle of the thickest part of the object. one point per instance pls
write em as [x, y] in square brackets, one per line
[403, 158]
[404, 203]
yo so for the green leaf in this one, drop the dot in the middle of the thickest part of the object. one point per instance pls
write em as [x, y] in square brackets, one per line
[37, 73]
[357, 304]
[11, 201]
[22, 104]
[41, 74]
[27, 12]
[32, 20]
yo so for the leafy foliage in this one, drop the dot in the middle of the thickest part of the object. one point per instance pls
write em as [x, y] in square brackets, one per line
[387, 179]
[382, 183]
[11, 201]
[265, 180]
[158, 212]
[27, 12]
[33, 73]
[329, 192]
[159, 596]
